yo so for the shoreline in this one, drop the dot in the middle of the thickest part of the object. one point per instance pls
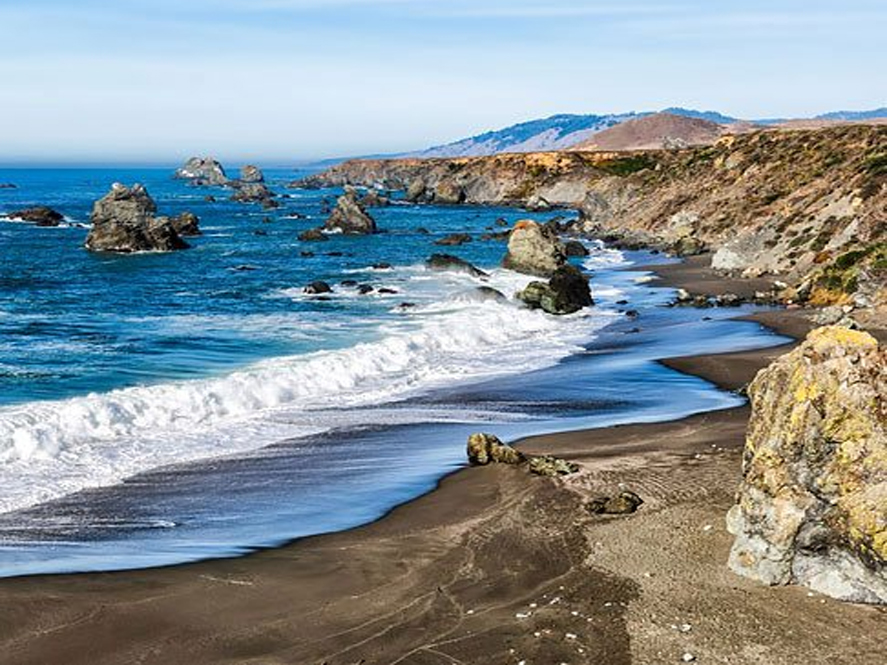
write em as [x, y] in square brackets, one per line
[492, 565]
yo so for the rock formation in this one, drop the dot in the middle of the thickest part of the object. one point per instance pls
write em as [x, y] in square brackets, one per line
[253, 192]
[449, 193]
[534, 249]
[812, 506]
[250, 173]
[486, 449]
[38, 215]
[443, 262]
[349, 217]
[186, 224]
[202, 171]
[453, 240]
[123, 221]
[566, 292]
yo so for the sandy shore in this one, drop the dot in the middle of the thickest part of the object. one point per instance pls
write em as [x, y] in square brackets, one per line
[493, 567]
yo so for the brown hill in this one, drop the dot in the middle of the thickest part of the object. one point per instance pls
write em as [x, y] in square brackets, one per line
[661, 130]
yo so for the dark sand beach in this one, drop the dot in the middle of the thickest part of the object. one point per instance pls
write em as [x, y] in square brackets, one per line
[495, 566]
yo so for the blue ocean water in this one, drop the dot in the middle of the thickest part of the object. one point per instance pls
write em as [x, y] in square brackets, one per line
[162, 408]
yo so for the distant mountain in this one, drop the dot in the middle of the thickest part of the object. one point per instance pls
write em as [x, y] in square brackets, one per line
[656, 131]
[562, 132]
[854, 115]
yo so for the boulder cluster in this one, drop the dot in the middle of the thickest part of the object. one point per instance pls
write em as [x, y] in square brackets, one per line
[484, 449]
[124, 221]
[250, 187]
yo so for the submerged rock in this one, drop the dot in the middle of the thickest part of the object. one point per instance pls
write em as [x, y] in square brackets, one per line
[38, 215]
[443, 262]
[123, 221]
[566, 292]
[812, 505]
[313, 235]
[534, 249]
[486, 448]
[318, 287]
[202, 171]
[349, 216]
[453, 239]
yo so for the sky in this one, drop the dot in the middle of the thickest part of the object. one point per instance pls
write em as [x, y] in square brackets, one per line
[277, 81]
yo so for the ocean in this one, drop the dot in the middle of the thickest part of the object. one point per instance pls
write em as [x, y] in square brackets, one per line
[157, 408]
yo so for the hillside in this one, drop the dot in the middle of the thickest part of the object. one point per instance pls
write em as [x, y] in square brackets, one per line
[661, 130]
[808, 206]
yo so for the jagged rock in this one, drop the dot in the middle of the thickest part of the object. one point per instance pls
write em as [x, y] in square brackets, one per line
[349, 217]
[416, 192]
[484, 449]
[318, 287]
[574, 248]
[38, 215]
[812, 506]
[251, 174]
[253, 192]
[624, 503]
[566, 292]
[534, 250]
[537, 203]
[123, 221]
[444, 262]
[449, 193]
[549, 466]
[454, 239]
[373, 199]
[489, 293]
[202, 171]
[313, 235]
[186, 224]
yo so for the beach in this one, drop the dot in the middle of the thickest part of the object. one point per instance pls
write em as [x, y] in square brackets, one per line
[493, 566]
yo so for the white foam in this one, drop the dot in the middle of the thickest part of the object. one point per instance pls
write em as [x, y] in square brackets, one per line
[49, 449]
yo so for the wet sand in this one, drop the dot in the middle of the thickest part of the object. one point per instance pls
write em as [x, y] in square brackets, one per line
[494, 566]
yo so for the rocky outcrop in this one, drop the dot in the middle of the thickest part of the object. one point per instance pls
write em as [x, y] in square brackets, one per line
[251, 174]
[123, 221]
[448, 262]
[186, 224]
[203, 171]
[349, 217]
[486, 449]
[534, 249]
[38, 215]
[565, 293]
[449, 193]
[812, 506]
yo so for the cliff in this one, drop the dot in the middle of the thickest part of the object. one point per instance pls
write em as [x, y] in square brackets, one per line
[808, 206]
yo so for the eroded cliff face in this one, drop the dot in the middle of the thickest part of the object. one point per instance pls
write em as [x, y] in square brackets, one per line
[812, 505]
[808, 206]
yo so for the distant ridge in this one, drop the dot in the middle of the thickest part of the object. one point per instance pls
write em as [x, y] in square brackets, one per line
[565, 131]
[660, 130]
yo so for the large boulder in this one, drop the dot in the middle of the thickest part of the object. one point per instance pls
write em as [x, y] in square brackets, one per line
[38, 215]
[566, 292]
[534, 249]
[486, 449]
[250, 173]
[202, 171]
[350, 217]
[449, 193]
[812, 506]
[123, 221]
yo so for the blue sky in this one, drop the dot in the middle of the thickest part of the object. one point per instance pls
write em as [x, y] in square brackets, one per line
[280, 80]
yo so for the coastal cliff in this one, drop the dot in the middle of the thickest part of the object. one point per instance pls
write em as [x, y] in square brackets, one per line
[808, 206]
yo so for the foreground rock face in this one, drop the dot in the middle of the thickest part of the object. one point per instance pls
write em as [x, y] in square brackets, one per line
[812, 507]
[349, 217]
[202, 171]
[566, 292]
[534, 249]
[123, 221]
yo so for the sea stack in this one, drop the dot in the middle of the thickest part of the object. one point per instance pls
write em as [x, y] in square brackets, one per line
[203, 171]
[534, 249]
[123, 221]
[350, 217]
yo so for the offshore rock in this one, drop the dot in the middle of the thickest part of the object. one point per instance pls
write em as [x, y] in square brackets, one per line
[253, 192]
[574, 248]
[250, 173]
[186, 224]
[445, 262]
[38, 215]
[349, 217]
[566, 292]
[534, 250]
[123, 221]
[484, 449]
[202, 171]
[812, 506]
[453, 240]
